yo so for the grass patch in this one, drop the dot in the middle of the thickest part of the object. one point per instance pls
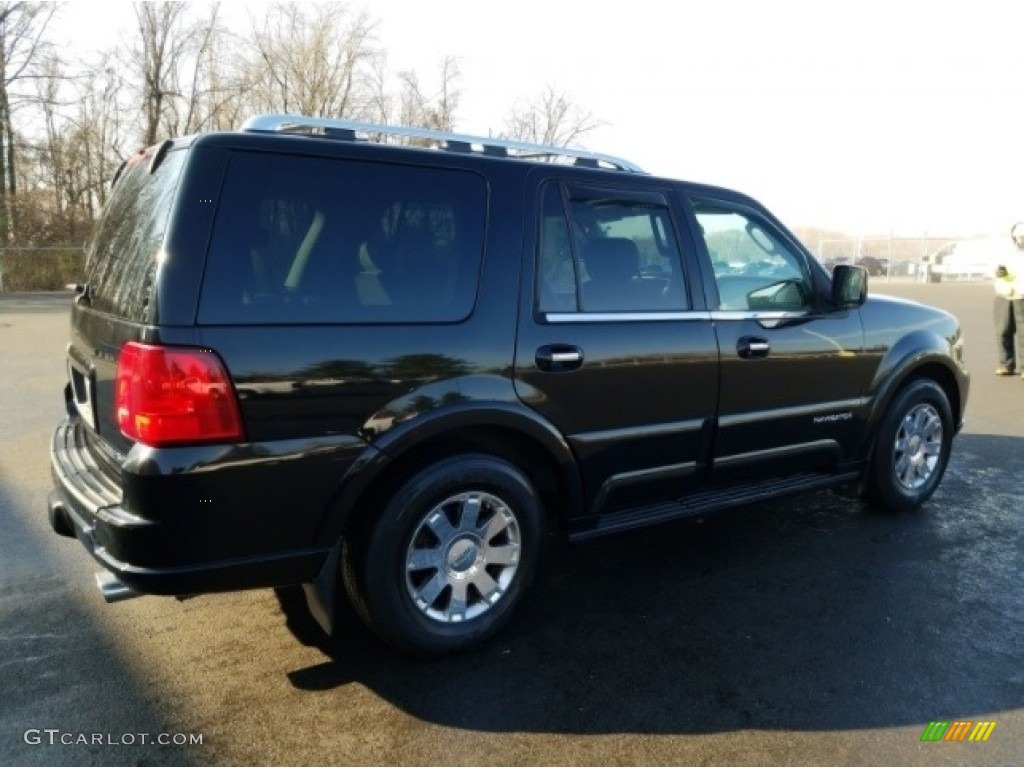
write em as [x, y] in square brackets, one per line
[40, 269]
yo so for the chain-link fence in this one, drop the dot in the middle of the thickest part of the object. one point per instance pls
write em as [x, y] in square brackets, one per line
[889, 256]
[49, 268]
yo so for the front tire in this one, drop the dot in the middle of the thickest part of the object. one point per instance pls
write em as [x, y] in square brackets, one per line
[912, 448]
[449, 557]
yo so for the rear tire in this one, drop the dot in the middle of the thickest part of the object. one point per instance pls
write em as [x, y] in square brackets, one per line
[912, 448]
[450, 556]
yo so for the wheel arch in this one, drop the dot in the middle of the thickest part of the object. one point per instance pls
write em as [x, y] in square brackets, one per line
[926, 368]
[918, 355]
[512, 433]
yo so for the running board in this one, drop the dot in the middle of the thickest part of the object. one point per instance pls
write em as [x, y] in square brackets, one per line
[705, 502]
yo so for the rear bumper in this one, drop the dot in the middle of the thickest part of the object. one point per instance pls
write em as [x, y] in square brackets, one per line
[176, 552]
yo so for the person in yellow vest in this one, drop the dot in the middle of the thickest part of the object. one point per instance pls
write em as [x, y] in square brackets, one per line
[1009, 305]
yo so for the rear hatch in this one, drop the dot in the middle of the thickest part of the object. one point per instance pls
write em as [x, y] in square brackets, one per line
[116, 302]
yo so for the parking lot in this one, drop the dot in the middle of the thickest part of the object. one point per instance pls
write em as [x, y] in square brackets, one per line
[807, 631]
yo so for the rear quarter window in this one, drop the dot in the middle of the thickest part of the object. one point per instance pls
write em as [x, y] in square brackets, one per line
[322, 240]
[123, 256]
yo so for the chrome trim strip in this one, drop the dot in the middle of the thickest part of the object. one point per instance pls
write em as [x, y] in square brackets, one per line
[624, 317]
[632, 433]
[684, 469]
[720, 315]
[817, 446]
[816, 409]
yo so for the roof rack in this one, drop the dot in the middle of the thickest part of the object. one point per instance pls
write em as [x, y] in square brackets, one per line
[349, 130]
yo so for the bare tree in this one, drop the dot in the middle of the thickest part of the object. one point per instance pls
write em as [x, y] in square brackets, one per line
[155, 58]
[552, 118]
[182, 73]
[102, 119]
[173, 61]
[313, 58]
[59, 167]
[52, 160]
[435, 111]
[198, 99]
[22, 26]
[450, 95]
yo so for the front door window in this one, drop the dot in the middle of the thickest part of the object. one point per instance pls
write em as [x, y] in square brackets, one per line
[753, 268]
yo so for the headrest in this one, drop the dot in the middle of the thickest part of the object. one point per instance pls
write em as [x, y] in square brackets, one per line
[612, 259]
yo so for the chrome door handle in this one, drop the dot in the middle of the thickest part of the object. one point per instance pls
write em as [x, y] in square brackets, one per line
[749, 347]
[559, 357]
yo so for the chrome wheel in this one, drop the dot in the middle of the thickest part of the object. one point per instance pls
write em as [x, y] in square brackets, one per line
[915, 436]
[462, 557]
[919, 446]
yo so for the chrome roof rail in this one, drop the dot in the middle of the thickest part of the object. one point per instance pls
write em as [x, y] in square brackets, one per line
[350, 130]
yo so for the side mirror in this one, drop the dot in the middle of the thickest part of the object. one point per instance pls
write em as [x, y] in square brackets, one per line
[849, 286]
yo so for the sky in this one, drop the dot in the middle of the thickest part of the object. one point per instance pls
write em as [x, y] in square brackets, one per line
[870, 118]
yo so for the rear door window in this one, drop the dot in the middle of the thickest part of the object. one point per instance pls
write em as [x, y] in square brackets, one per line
[323, 240]
[607, 250]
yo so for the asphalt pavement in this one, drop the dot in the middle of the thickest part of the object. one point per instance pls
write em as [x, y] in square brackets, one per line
[806, 631]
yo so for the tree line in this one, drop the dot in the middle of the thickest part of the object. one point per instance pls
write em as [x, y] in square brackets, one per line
[67, 124]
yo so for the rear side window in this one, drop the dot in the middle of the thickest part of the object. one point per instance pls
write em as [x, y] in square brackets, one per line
[122, 259]
[320, 240]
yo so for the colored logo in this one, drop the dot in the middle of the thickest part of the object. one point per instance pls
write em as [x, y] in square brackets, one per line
[958, 730]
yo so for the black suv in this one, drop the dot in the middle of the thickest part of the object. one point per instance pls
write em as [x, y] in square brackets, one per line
[307, 354]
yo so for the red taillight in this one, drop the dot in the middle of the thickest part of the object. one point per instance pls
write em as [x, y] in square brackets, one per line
[169, 395]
